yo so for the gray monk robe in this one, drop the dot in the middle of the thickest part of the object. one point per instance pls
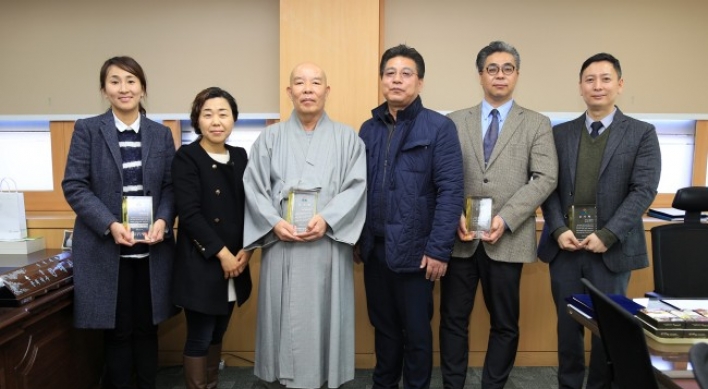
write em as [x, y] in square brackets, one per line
[305, 328]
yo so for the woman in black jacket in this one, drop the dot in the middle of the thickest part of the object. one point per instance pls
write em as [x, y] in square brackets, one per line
[211, 268]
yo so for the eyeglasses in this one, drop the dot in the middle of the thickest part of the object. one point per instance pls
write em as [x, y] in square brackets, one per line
[405, 73]
[493, 69]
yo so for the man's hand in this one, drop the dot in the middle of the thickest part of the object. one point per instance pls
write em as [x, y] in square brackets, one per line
[568, 242]
[434, 269]
[316, 229]
[594, 244]
[462, 232]
[286, 232]
[496, 230]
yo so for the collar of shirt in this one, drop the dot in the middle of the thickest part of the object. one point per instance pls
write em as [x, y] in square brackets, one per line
[606, 121]
[122, 126]
[487, 119]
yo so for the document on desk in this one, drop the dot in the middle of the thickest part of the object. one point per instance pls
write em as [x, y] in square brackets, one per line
[687, 304]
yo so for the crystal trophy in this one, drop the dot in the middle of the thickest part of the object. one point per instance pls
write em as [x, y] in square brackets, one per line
[302, 206]
[583, 220]
[478, 215]
[137, 215]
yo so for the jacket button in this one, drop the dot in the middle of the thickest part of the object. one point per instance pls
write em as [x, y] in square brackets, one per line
[571, 194]
[485, 180]
[213, 166]
[218, 192]
[203, 249]
[216, 220]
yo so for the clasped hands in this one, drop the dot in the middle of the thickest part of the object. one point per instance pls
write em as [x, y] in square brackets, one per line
[233, 265]
[568, 242]
[316, 229]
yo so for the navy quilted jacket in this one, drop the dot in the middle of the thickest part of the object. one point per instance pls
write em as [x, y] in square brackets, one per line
[414, 186]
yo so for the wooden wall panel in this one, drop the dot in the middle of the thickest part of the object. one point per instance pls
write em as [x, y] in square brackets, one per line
[342, 37]
[54, 200]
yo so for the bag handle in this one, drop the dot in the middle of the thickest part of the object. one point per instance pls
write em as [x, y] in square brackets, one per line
[10, 188]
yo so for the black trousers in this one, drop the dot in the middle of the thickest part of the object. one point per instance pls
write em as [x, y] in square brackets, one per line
[132, 344]
[400, 307]
[566, 271]
[500, 286]
[204, 330]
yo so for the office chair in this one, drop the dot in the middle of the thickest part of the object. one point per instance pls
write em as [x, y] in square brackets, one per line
[679, 250]
[698, 355]
[624, 341]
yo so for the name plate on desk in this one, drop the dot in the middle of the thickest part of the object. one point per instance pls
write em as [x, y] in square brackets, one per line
[21, 284]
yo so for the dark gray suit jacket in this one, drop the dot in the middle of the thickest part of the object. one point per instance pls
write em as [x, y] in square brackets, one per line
[93, 188]
[627, 184]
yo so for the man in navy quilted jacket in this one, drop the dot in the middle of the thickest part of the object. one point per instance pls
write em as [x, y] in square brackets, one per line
[414, 197]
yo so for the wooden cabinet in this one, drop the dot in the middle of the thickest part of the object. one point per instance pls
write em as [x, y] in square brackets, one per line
[39, 348]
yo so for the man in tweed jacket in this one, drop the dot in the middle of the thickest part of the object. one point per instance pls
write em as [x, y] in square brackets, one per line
[519, 173]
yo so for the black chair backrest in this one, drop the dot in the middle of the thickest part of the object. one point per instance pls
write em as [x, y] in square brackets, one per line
[698, 356]
[679, 250]
[624, 341]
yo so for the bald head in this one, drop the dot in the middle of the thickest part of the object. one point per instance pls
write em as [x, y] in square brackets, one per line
[308, 70]
[308, 91]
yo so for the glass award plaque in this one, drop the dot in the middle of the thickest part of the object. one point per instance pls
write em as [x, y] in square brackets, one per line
[478, 215]
[137, 215]
[302, 206]
[583, 220]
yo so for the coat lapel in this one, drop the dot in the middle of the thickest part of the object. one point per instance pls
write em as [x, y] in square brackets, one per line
[617, 130]
[573, 143]
[147, 135]
[511, 125]
[474, 132]
[110, 136]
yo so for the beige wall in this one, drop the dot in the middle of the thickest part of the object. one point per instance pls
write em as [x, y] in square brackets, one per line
[661, 45]
[52, 52]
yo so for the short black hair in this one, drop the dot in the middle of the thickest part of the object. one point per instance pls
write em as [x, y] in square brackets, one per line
[208, 94]
[403, 51]
[497, 47]
[599, 57]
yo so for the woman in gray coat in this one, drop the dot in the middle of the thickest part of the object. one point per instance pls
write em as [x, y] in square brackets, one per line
[121, 282]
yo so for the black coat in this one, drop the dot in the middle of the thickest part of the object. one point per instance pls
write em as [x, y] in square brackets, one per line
[210, 204]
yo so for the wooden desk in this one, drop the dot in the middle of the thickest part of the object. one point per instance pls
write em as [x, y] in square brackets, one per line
[670, 361]
[39, 348]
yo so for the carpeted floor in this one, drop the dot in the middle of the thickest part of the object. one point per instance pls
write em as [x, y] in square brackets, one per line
[242, 378]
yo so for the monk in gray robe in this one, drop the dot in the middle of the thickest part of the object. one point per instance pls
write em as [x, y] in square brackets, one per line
[305, 328]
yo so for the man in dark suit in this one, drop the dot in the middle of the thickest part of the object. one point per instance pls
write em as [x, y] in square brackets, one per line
[509, 157]
[610, 163]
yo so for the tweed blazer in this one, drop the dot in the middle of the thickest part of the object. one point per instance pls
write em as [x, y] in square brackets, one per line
[93, 188]
[520, 174]
[627, 184]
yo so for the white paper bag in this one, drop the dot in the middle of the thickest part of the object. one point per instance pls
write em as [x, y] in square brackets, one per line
[13, 225]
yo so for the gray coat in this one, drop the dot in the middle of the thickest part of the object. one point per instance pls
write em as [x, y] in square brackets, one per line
[627, 184]
[93, 188]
